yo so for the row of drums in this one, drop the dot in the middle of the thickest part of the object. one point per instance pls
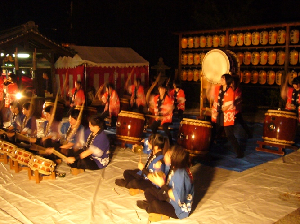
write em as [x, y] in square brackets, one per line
[247, 58]
[25, 158]
[239, 39]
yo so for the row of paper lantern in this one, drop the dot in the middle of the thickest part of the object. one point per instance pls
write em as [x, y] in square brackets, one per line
[248, 58]
[191, 75]
[255, 38]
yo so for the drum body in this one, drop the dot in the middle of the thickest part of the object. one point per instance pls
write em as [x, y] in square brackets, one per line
[217, 62]
[280, 127]
[8, 148]
[194, 135]
[130, 126]
[22, 156]
[42, 165]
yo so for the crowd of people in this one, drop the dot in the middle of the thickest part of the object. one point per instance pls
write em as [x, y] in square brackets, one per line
[165, 178]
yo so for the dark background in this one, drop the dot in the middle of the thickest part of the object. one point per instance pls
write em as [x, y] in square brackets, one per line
[147, 26]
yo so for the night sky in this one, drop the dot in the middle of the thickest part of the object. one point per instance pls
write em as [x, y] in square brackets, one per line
[147, 26]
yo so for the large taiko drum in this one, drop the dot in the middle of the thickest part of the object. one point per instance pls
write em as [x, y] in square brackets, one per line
[217, 63]
[130, 126]
[280, 127]
[195, 135]
[42, 165]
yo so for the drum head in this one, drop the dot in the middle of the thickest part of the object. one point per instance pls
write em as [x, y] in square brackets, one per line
[214, 65]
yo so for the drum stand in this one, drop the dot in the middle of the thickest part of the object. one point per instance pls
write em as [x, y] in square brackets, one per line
[37, 177]
[4, 158]
[279, 146]
[14, 165]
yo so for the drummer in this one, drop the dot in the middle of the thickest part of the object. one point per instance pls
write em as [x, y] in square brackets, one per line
[137, 99]
[77, 95]
[177, 95]
[223, 112]
[17, 118]
[112, 103]
[163, 111]
[28, 126]
[292, 95]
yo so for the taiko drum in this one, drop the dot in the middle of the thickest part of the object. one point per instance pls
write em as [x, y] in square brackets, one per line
[280, 127]
[130, 126]
[194, 136]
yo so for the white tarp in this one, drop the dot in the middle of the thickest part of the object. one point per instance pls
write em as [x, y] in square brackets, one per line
[102, 57]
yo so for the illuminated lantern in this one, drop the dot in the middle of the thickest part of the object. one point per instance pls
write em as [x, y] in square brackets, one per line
[246, 76]
[216, 40]
[255, 38]
[184, 75]
[278, 78]
[262, 77]
[196, 42]
[263, 57]
[190, 58]
[196, 75]
[254, 77]
[184, 59]
[291, 76]
[232, 39]
[280, 57]
[272, 37]
[271, 57]
[271, 77]
[294, 57]
[190, 75]
[222, 40]
[281, 36]
[247, 58]
[240, 39]
[264, 37]
[190, 42]
[294, 36]
[240, 57]
[184, 42]
[255, 58]
[202, 41]
[196, 59]
[208, 41]
[247, 39]
[202, 55]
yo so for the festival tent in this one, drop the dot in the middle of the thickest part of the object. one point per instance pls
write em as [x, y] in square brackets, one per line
[94, 66]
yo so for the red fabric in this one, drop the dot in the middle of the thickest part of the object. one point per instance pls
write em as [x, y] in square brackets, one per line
[79, 98]
[12, 90]
[238, 100]
[166, 109]
[140, 98]
[289, 101]
[1, 88]
[180, 99]
[228, 100]
[114, 103]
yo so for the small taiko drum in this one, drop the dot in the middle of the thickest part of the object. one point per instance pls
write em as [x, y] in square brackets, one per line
[264, 37]
[294, 36]
[194, 136]
[184, 42]
[42, 165]
[222, 40]
[196, 42]
[294, 57]
[272, 37]
[22, 156]
[130, 126]
[254, 77]
[281, 36]
[202, 41]
[217, 62]
[271, 77]
[255, 38]
[209, 41]
[263, 57]
[280, 127]
[271, 57]
[232, 39]
[240, 39]
[279, 77]
[280, 57]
